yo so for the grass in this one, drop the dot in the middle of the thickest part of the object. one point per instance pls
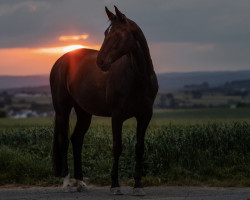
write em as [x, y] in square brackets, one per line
[183, 147]
[200, 116]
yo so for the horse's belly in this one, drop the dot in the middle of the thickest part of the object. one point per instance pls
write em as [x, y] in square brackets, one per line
[93, 103]
[90, 94]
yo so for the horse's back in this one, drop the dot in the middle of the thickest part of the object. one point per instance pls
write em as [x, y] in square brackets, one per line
[60, 73]
[60, 69]
[67, 60]
[77, 76]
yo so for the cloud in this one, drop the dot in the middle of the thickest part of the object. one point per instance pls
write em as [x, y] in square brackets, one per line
[179, 57]
[13, 7]
[21, 27]
[183, 35]
[73, 37]
[197, 21]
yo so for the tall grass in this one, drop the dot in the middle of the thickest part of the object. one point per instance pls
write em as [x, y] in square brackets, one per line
[210, 154]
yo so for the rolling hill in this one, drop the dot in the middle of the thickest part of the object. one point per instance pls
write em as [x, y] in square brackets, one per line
[7, 82]
[215, 78]
[166, 80]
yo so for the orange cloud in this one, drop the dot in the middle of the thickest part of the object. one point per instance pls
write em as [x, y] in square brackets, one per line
[73, 37]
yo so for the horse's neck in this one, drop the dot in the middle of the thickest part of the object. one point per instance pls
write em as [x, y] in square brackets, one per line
[141, 62]
[141, 52]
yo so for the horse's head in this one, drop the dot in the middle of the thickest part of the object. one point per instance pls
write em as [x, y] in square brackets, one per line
[118, 40]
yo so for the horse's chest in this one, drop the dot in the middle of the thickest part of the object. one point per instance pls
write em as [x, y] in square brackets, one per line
[128, 99]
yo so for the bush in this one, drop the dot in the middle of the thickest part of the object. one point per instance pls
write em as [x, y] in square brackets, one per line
[215, 154]
[2, 114]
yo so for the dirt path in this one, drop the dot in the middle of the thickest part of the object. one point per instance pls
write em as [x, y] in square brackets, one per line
[102, 193]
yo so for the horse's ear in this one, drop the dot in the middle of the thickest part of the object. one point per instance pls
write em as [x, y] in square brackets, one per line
[110, 15]
[120, 15]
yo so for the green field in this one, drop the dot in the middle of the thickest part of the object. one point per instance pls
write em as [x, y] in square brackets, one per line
[160, 117]
[182, 147]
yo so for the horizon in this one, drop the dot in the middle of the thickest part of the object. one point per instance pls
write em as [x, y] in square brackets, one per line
[169, 80]
[173, 72]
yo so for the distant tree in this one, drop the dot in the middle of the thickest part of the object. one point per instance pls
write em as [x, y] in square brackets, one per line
[7, 100]
[169, 96]
[2, 114]
[1, 104]
[4, 93]
[243, 105]
[162, 101]
[205, 85]
[244, 94]
[166, 100]
[173, 103]
[196, 94]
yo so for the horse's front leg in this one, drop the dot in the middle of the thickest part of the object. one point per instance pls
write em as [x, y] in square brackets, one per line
[117, 150]
[142, 124]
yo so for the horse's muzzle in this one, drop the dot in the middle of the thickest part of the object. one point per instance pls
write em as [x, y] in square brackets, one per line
[104, 65]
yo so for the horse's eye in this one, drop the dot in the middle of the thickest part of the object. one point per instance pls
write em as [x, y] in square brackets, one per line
[116, 43]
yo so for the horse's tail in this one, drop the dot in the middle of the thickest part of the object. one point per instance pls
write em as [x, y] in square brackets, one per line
[57, 160]
[60, 144]
[62, 103]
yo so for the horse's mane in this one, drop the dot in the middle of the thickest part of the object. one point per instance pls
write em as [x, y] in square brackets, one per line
[139, 36]
[145, 62]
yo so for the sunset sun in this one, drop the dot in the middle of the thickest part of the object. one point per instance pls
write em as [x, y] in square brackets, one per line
[69, 47]
[63, 49]
[72, 47]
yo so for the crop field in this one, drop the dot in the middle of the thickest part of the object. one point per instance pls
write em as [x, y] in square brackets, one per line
[182, 147]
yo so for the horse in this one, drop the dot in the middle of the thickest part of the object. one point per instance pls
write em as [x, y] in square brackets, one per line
[118, 82]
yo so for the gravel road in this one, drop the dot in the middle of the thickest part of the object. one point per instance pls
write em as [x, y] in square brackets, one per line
[103, 193]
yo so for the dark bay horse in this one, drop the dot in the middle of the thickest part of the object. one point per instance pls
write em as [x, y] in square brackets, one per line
[118, 81]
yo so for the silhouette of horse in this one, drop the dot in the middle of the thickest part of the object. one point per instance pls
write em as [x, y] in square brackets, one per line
[118, 81]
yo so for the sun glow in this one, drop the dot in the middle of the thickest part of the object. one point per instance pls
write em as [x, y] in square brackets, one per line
[21, 61]
[60, 50]
[73, 47]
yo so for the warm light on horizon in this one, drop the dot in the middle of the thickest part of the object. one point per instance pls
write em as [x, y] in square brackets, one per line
[73, 47]
[62, 49]
[30, 61]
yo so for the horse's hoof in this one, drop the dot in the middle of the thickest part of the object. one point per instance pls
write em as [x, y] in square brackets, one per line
[66, 184]
[81, 187]
[67, 188]
[116, 191]
[138, 192]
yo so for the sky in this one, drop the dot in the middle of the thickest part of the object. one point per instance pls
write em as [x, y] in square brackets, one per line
[183, 35]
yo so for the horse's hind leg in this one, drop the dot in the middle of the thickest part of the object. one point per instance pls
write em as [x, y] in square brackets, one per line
[82, 125]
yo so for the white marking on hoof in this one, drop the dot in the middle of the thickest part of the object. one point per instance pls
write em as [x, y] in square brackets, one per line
[68, 189]
[116, 191]
[81, 186]
[138, 192]
[66, 184]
